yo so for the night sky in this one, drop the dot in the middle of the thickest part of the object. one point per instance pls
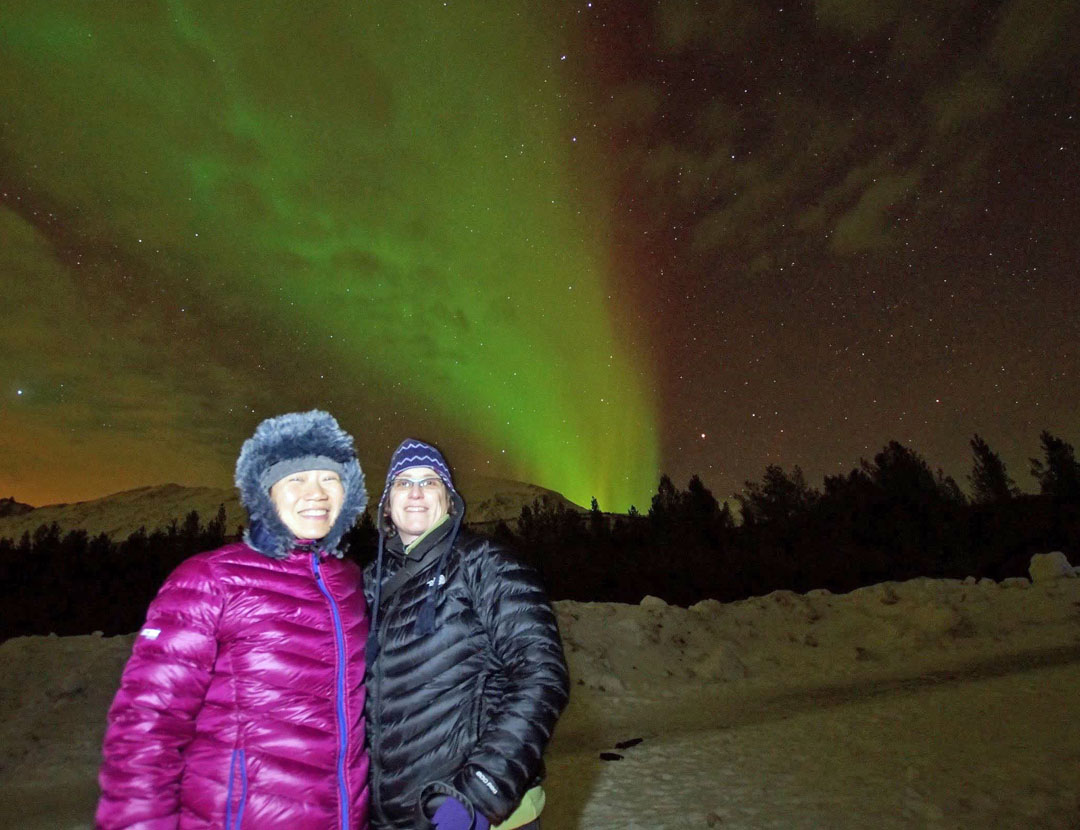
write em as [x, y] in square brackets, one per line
[577, 244]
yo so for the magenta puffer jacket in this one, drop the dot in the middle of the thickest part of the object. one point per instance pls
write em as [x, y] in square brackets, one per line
[242, 704]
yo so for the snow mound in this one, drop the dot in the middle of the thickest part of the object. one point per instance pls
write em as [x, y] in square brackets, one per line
[786, 639]
[1047, 566]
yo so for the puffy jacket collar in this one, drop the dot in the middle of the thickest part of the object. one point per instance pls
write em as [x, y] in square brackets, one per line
[398, 551]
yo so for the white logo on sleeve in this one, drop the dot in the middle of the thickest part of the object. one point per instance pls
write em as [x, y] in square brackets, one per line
[487, 782]
[150, 633]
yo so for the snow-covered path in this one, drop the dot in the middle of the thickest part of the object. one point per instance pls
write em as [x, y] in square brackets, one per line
[974, 751]
[980, 749]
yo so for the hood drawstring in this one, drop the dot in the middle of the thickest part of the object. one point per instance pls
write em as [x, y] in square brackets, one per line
[372, 650]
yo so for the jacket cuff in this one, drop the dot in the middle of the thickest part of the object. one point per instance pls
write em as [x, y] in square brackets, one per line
[433, 794]
[483, 793]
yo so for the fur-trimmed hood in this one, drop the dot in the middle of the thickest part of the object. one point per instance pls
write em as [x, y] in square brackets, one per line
[315, 439]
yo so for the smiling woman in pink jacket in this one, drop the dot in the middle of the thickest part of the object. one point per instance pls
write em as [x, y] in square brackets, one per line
[242, 703]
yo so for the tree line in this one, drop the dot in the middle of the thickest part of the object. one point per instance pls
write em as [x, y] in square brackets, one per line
[891, 518]
[74, 583]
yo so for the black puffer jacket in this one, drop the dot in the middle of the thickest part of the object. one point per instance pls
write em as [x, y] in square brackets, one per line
[468, 709]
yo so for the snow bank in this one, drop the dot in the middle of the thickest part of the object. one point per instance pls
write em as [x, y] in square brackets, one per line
[1047, 566]
[785, 640]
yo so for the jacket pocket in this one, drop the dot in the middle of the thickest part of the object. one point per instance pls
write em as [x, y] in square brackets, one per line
[236, 793]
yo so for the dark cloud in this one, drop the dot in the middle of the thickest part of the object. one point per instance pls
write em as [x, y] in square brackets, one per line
[853, 208]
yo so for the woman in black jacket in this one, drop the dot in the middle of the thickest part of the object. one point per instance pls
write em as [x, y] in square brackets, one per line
[466, 675]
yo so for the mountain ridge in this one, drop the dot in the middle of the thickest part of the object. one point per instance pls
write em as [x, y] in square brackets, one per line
[10, 507]
[120, 514]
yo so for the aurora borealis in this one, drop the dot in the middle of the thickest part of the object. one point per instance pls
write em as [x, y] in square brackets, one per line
[381, 210]
[576, 244]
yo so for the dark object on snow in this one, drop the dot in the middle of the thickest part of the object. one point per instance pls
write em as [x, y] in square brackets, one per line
[628, 743]
[610, 756]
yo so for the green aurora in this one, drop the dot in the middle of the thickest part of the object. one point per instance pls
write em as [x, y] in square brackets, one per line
[380, 208]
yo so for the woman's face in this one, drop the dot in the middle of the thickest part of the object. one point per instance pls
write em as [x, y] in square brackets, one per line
[415, 509]
[308, 502]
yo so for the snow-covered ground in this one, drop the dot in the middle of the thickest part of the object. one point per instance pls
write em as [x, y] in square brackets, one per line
[929, 703]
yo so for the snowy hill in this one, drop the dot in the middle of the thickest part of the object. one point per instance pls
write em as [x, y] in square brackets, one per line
[488, 500]
[120, 514]
[928, 703]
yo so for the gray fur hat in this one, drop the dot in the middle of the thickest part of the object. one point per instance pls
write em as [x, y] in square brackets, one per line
[287, 444]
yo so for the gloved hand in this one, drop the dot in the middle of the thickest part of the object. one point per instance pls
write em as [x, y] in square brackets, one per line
[453, 815]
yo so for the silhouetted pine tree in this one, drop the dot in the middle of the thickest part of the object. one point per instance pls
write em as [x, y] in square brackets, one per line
[1059, 477]
[665, 506]
[989, 480]
[214, 536]
[778, 498]
[361, 540]
[599, 529]
[1059, 482]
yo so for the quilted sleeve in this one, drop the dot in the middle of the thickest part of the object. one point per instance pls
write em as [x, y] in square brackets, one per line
[525, 641]
[152, 717]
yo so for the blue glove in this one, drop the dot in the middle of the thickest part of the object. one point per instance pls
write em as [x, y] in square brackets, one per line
[453, 815]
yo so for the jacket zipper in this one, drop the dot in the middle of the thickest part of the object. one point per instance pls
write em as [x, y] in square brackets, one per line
[236, 761]
[343, 738]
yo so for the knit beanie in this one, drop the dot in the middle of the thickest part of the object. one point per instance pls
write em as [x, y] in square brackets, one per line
[412, 453]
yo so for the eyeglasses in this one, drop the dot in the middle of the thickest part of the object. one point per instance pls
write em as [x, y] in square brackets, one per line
[406, 484]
